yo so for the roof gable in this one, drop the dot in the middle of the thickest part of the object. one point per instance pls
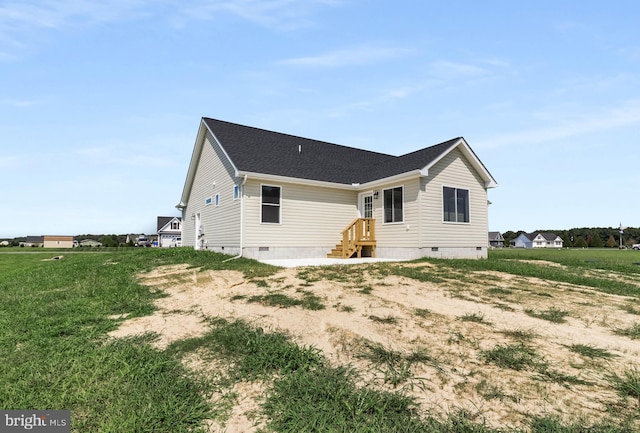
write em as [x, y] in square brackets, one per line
[255, 151]
[164, 222]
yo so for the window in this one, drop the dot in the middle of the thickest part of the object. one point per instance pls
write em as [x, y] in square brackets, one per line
[236, 192]
[207, 201]
[217, 200]
[393, 201]
[455, 204]
[175, 225]
[270, 204]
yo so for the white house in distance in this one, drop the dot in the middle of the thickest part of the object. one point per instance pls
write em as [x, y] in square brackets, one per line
[168, 229]
[537, 240]
[496, 240]
[266, 195]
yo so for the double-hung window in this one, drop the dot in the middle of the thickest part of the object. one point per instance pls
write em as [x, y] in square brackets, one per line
[270, 199]
[455, 203]
[393, 205]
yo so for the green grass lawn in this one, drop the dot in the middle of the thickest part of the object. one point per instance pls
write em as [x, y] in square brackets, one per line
[56, 314]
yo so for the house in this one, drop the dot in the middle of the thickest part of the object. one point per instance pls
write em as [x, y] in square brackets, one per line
[58, 241]
[89, 243]
[169, 228]
[496, 240]
[265, 195]
[33, 241]
[537, 240]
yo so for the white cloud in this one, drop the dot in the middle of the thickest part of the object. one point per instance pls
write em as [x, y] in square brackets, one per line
[18, 103]
[452, 70]
[278, 14]
[554, 126]
[359, 55]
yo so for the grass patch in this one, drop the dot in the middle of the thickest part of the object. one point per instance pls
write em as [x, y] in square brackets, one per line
[627, 384]
[388, 320]
[275, 300]
[513, 356]
[489, 391]
[475, 318]
[498, 291]
[250, 352]
[344, 308]
[309, 301]
[632, 331]
[366, 290]
[551, 315]
[522, 335]
[631, 309]
[589, 351]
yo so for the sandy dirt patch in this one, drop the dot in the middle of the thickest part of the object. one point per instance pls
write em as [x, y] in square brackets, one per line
[453, 321]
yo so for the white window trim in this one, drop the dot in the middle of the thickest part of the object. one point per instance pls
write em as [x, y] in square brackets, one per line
[384, 209]
[208, 201]
[279, 204]
[236, 191]
[216, 200]
[442, 204]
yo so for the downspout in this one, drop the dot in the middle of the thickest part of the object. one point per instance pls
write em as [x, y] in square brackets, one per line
[241, 220]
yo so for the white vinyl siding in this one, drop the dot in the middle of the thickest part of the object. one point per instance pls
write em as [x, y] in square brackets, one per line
[214, 176]
[404, 234]
[310, 216]
[453, 171]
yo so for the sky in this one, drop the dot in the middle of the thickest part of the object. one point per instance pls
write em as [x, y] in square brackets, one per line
[100, 102]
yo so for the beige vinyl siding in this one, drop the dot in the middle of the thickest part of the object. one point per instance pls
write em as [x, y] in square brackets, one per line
[310, 216]
[221, 224]
[58, 242]
[404, 234]
[456, 172]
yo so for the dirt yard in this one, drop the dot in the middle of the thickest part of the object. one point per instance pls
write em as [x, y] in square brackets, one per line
[456, 321]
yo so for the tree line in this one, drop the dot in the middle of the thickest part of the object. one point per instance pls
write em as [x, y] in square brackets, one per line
[598, 237]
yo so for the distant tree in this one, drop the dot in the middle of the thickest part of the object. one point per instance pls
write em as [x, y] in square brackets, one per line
[108, 241]
[595, 241]
[611, 242]
[580, 242]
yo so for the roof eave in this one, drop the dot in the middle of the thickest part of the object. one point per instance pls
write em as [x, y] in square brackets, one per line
[195, 157]
[297, 180]
[489, 181]
[390, 179]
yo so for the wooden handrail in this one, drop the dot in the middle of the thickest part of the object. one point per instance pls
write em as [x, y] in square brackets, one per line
[362, 231]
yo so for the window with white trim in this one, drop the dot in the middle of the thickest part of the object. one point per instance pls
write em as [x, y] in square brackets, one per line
[393, 204]
[236, 192]
[270, 199]
[207, 201]
[217, 197]
[455, 204]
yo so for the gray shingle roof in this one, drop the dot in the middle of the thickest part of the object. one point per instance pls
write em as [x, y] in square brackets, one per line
[163, 221]
[257, 150]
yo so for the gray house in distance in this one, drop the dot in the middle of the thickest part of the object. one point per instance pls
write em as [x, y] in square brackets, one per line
[537, 240]
[265, 195]
[496, 240]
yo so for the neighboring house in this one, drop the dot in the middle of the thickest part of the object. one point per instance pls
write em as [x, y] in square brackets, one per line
[264, 194]
[58, 241]
[34, 241]
[496, 240]
[537, 240]
[89, 243]
[48, 241]
[169, 229]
